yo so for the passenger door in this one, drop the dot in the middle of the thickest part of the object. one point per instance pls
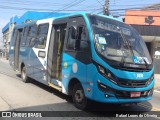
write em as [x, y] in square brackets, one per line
[60, 31]
[55, 54]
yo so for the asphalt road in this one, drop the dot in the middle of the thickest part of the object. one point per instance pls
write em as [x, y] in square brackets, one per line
[18, 96]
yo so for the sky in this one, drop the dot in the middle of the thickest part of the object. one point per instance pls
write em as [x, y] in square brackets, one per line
[9, 8]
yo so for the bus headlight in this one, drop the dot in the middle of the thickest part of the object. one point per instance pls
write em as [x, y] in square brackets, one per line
[150, 79]
[107, 74]
[101, 69]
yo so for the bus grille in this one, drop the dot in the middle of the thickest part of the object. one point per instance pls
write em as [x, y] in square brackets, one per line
[132, 83]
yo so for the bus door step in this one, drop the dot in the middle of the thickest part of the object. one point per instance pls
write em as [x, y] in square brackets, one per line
[55, 86]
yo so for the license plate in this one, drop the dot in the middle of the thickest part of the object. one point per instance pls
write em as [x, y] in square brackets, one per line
[135, 94]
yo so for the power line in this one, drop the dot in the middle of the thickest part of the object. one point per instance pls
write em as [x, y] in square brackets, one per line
[120, 1]
[39, 3]
[31, 3]
[130, 5]
[19, 8]
[100, 3]
[138, 15]
[74, 4]
[65, 7]
[68, 6]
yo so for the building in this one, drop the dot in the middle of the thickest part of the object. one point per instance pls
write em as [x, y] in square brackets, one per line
[147, 23]
[27, 17]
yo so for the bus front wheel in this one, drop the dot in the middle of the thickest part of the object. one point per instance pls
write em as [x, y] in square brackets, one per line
[78, 96]
[24, 75]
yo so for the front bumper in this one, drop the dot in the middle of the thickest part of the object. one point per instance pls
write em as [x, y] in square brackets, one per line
[102, 90]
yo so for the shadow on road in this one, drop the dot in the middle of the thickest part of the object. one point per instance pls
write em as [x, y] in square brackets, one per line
[66, 110]
[18, 75]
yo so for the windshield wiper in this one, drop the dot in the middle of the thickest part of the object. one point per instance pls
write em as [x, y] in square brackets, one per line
[146, 64]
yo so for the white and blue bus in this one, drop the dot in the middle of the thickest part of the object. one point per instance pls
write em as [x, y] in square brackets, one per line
[88, 56]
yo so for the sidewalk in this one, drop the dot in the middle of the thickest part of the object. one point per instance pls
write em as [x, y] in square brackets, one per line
[157, 81]
[4, 60]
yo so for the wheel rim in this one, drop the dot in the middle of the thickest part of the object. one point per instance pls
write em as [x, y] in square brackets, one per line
[79, 97]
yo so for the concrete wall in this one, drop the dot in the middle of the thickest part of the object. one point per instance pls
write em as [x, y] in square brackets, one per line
[141, 17]
[157, 66]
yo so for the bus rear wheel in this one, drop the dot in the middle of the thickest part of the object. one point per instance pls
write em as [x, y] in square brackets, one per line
[78, 96]
[24, 75]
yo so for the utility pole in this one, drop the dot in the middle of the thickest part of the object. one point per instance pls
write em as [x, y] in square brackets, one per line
[106, 8]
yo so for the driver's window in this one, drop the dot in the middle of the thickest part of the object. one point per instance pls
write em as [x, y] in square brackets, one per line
[71, 38]
[77, 39]
[81, 42]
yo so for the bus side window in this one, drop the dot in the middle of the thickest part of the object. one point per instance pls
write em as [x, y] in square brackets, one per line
[81, 41]
[23, 40]
[77, 39]
[13, 37]
[71, 38]
[32, 35]
[42, 36]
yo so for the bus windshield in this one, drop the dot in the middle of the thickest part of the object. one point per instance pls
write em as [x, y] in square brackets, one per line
[119, 42]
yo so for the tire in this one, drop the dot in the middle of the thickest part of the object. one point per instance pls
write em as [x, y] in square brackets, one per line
[24, 76]
[78, 97]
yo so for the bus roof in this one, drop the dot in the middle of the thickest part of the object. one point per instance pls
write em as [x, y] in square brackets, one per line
[65, 16]
[84, 14]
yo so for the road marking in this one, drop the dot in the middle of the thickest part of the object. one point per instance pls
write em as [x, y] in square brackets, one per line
[150, 108]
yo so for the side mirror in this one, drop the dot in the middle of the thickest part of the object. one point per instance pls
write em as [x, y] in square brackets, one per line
[73, 32]
[42, 54]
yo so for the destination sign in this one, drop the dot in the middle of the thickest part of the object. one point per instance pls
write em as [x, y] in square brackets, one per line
[112, 27]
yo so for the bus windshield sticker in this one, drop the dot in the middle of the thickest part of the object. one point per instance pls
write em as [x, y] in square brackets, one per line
[102, 40]
[138, 59]
[111, 27]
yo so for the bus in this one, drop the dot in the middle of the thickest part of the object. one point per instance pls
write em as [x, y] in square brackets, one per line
[90, 57]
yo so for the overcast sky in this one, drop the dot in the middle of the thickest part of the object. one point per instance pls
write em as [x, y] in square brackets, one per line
[10, 8]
